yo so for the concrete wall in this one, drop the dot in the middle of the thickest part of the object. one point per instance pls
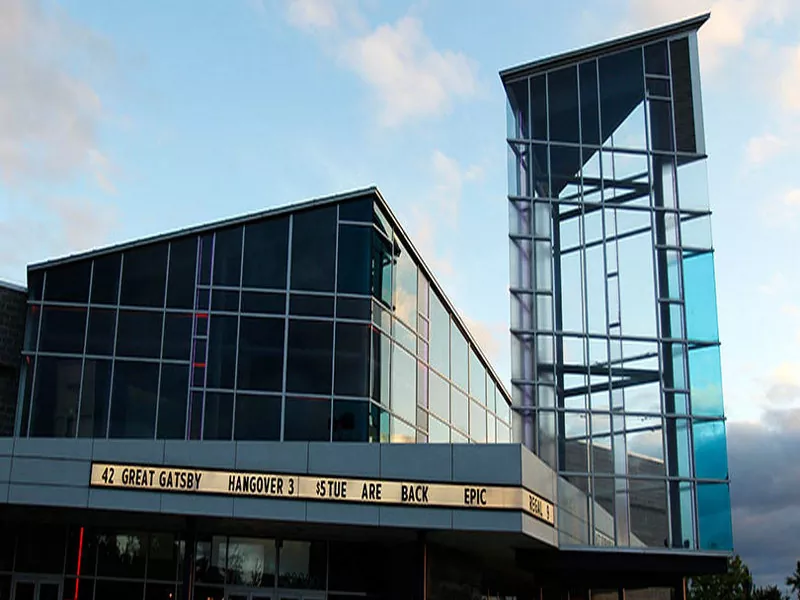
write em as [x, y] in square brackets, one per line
[12, 331]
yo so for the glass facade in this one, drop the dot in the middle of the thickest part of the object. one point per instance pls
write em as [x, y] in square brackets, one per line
[314, 325]
[615, 349]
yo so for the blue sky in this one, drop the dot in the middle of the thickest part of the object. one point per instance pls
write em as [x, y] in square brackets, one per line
[129, 119]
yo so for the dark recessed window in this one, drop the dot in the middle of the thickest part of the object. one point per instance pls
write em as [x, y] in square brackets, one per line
[105, 279]
[139, 333]
[655, 59]
[354, 259]
[562, 89]
[95, 394]
[62, 330]
[590, 108]
[35, 285]
[102, 323]
[55, 403]
[314, 250]
[228, 257]
[621, 88]
[311, 306]
[307, 419]
[68, 282]
[353, 308]
[178, 335]
[258, 417]
[182, 267]
[266, 251]
[381, 271]
[32, 327]
[351, 376]
[172, 402]
[261, 354]
[263, 302]
[144, 276]
[218, 419]
[686, 135]
[133, 400]
[221, 365]
[225, 300]
[356, 210]
[309, 359]
[350, 421]
[206, 256]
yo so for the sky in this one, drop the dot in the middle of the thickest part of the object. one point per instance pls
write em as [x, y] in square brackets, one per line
[120, 120]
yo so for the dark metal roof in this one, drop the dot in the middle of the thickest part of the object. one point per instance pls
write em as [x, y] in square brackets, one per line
[371, 191]
[574, 56]
[12, 286]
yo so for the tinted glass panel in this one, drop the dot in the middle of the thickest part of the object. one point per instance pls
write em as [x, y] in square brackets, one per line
[258, 417]
[351, 376]
[105, 279]
[354, 259]
[228, 257]
[55, 403]
[590, 115]
[172, 402]
[63, 329]
[144, 273]
[655, 59]
[307, 419]
[101, 331]
[263, 302]
[621, 88]
[178, 335]
[562, 89]
[382, 262]
[406, 296]
[162, 563]
[685, 135]
[35, 285]
[94, 398]
[381, 357]
[206, 258]
[266, 250]
[139, 333]
[459, 360]
[440, 336]
[221, 364]
[68, 283]
[311, 306]
[182, 273]
[121, 555]
[404, 384]
[314, 250]
[353, 308]
[218, 418]
[225, 300]
[356, 210]
[350, 421]
[261, 354]
[133, 400]
[310, 357]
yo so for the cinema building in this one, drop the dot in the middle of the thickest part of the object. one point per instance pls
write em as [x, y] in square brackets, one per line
[287, 406]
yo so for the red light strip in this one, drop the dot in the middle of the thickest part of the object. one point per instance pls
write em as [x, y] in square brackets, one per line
[78, 570]
[199, 365]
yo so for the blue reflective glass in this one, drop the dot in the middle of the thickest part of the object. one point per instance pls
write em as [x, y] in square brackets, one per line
[710, 450]
[705, 378]
[681, 507]
[714, 516]
[700, 294]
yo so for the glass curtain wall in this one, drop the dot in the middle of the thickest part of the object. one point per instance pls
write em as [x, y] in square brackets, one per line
[310, 326]
[616, 370]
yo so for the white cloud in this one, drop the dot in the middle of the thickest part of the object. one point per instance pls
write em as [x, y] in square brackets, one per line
[792, 198]
[449, 179]
[762, 148]
[790, 80]
[313, 14]
[410, 77]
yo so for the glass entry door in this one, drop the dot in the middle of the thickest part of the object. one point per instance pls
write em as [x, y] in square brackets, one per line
[35, 588]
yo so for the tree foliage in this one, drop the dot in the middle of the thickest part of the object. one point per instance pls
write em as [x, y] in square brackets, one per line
[793, 581]
[737, 584]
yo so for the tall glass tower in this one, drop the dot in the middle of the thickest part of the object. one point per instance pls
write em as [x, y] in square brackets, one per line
[615, 350]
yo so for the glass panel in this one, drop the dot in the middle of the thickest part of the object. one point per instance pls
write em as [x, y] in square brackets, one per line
[382, 261]
[439, 396]
[221, 367]
[354, 259]
[307, 419]
[206, 249]
[438, 432]
[404, 384]
[714, 516]
[701, 297]
[351, 421]
[440, 336]
[459, 357]
[133, 400]
[477, 422]
[696, 233]
[144, 274]
[102, 323]
[705, 376]
[378, 424]
[94, 398]
[686, 140]
[679, 447]
[55, 403]
[266, 251]
[351, 370]
[105, 279]
[655, 59]
[314, 250]
[538, 91]
[590, 120]
[353, 308]
[121, 555]
[225, 300]
[402, 433]
[182, 272]
[648, 513]
[692, 184]
[381, 358]
[519, 118]
[459, 410]
[251, 562]
[62, 329]
[405, 336]
[139, 333]
[263, 302]
[406, 295]
[258, 417]
[177, 335]
[645, 446]
[658, 87]
[310, 357]
[477, 377]
[172, 401]
[621, 90]
[562, 90]
[710, 450]
[68, 282]
[303, 565]
[660, 125]
[160, 591]
[218, 416]
[162, 560]
[311, 306]
[260, 365]
[356, 210]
